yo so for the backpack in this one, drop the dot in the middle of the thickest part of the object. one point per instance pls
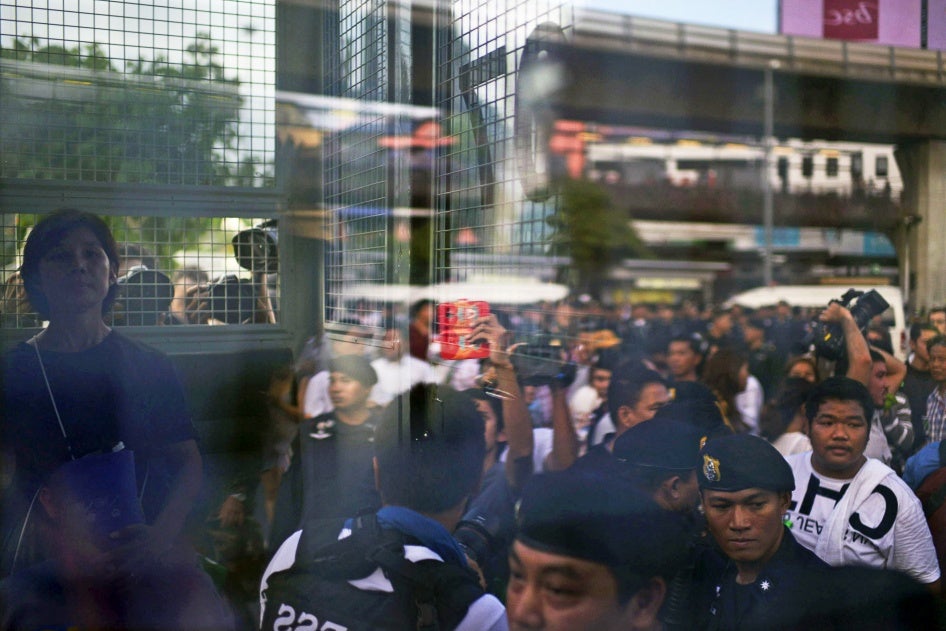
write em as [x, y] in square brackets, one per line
[932, 494]
[315, 593]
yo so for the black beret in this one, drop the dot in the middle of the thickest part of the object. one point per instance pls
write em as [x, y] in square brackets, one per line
[664, 444]
[743, 461]
[355, 366]
[603, 519]
[756, 323]
[694, 403]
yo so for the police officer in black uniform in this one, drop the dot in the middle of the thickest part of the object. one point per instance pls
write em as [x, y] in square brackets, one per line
[769, 580]
[661, 458]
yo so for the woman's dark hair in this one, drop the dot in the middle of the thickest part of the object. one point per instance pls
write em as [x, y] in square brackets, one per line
[47, 234]
[781, 410]
[804, 359]
[721, 375]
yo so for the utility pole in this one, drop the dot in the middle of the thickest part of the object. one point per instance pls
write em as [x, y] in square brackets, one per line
[768, 211]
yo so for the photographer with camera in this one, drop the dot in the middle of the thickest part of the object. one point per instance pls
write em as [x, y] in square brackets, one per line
[891, 429]
[485, 530]
[845, 342]
[512, 451]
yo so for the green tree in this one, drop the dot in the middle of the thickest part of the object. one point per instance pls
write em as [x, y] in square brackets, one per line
[69, 113]
[593, 233]
[156, 122]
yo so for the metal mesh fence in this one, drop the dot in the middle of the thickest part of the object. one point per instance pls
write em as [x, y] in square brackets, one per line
[152, 92]
[160, 116]
[172, 271]
[421, 198]
[357, 170]
[493, 182]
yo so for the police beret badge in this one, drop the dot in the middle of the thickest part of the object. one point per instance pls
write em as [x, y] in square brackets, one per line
[751, 462]
[711, 468]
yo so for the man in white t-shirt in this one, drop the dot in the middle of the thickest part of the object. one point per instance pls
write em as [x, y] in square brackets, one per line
[397, 371]
[850, 509]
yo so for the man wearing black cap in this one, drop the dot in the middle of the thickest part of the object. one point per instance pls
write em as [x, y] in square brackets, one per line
[769, 580]
[330, 477]
[694, 403]
[764, 362]
[661, 457]
[590, 555]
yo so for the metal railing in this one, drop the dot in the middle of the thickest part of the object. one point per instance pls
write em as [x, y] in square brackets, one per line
[601, 30]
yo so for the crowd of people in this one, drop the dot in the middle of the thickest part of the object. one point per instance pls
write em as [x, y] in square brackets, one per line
[672, 469]
[590, 468]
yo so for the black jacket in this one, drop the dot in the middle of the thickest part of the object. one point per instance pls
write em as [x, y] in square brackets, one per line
[792, 585]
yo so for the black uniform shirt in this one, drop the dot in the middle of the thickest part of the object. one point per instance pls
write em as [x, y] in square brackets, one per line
[789, 588]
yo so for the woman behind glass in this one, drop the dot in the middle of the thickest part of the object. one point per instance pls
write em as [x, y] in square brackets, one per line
[80, 388]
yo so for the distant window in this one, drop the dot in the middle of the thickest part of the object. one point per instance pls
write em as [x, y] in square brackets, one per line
[807, 166]
[857, 165]
[831, 167]
[880, 166]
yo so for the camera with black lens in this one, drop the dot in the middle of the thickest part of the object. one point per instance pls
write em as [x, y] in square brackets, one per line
[144, 297]
[257, 249]
[229, 299]
[828, 337]
[480, 538]
[542, 362]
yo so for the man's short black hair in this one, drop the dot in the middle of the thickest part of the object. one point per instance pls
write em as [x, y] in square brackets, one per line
[627, 381]
[917, 328]
[939, 340]
[136, 251]
[415, 308]
[430, 448]
[479, 394]
[695, 341]
[839, 389]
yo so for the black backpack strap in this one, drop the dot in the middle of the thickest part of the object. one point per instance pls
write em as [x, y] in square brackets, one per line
[442, 592]
[351, 557]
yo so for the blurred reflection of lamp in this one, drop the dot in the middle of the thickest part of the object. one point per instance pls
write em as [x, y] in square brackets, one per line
[256, 249]
[427, 135]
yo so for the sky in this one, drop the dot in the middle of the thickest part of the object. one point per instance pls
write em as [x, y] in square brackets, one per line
[747, 15]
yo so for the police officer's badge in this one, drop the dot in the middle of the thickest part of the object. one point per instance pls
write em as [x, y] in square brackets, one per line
[711, 468]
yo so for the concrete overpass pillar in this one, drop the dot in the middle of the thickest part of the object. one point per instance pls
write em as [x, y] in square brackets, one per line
[923, 245]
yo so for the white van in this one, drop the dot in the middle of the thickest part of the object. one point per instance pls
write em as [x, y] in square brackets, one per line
[818, 296]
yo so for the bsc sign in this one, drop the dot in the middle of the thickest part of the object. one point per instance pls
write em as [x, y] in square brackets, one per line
[851, 19]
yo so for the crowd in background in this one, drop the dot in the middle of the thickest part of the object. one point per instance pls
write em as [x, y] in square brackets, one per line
[726, 371]
[559, 466]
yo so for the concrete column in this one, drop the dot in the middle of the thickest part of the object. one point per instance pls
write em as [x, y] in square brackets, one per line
[923, 169]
